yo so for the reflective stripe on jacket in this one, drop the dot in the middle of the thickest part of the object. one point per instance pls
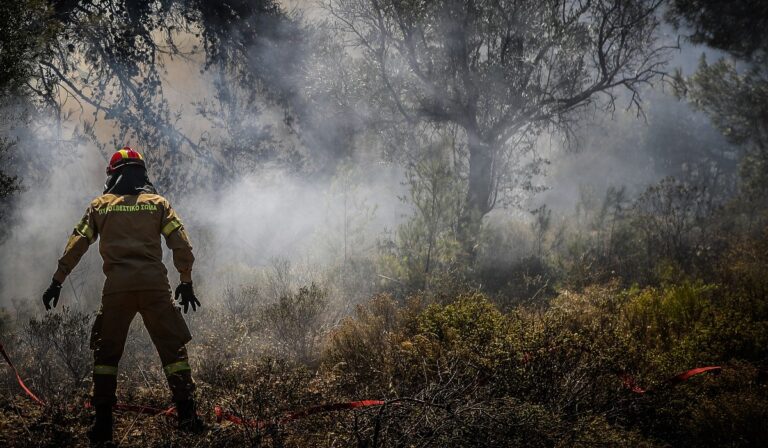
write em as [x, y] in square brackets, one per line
[128, 228]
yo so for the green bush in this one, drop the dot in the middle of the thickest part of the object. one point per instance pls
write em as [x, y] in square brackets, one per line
[690, 323]
[365, 353]
[471, 328]
[551, 374]
[659, 317]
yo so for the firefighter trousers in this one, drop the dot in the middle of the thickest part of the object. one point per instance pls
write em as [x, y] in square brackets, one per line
[166, 328]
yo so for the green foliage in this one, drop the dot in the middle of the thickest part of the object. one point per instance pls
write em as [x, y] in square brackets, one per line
[25, 27]
[459, 371]
[109, 57]
[470, 328]
[744, 266]
[691, 323]
[668, 313]
[669, 323]
[738, 27]
[551, 374]
[366, 348]
[674, 225]
[9, 184]
[735, 98]
[670, 217]
[428, 244]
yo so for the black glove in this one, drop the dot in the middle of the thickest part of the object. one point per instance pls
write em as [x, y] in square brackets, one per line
[52, 293]
[187, 296]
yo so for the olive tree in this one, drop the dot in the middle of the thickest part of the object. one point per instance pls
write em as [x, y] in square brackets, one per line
[110, 57]
[24, 32]
[502, 71]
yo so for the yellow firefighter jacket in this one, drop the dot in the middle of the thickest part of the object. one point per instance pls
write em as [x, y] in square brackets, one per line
[129, 229]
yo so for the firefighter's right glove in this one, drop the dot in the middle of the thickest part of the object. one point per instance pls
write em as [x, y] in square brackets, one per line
[187, 296]
[52, 293]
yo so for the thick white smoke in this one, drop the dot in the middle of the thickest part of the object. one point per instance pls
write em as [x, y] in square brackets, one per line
[262, 216]
[236, 231]
[47, 210]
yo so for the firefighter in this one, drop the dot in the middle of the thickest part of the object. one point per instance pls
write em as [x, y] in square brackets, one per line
[128, 219]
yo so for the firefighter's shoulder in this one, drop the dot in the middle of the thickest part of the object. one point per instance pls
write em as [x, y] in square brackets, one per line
[106, 199]
[109, 199]
[101, 200]
[154, 198]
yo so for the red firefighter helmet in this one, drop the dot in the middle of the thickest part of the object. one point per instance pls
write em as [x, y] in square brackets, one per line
[125, 156]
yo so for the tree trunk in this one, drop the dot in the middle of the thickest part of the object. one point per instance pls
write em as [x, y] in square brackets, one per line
[479, 192]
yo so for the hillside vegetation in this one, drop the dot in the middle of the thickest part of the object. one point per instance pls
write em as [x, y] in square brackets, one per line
[459, 364]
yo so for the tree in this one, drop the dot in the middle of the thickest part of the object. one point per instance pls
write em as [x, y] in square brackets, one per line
[426, 244]
[735, 96]
[24, 30]
[738, 27]
[502, 71]
[9, 184]
[109, 57]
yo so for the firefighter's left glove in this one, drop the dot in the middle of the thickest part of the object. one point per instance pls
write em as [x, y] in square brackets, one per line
[52, 293]
[187, 296]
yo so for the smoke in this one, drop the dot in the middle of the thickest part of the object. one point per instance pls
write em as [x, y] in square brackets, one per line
[635, 149]
[272, 216]
[236, 231]
[625, 150]
[240, 220]
[240, 225]
[46, 211]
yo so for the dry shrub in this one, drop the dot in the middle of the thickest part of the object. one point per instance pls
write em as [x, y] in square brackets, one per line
[59, 358]
[459, 372]
[364, 348]
[464, 374]
[296, 322]
[240, 302]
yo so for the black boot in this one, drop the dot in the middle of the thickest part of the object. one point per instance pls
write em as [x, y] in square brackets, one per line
[189, 421]
[100, 433]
